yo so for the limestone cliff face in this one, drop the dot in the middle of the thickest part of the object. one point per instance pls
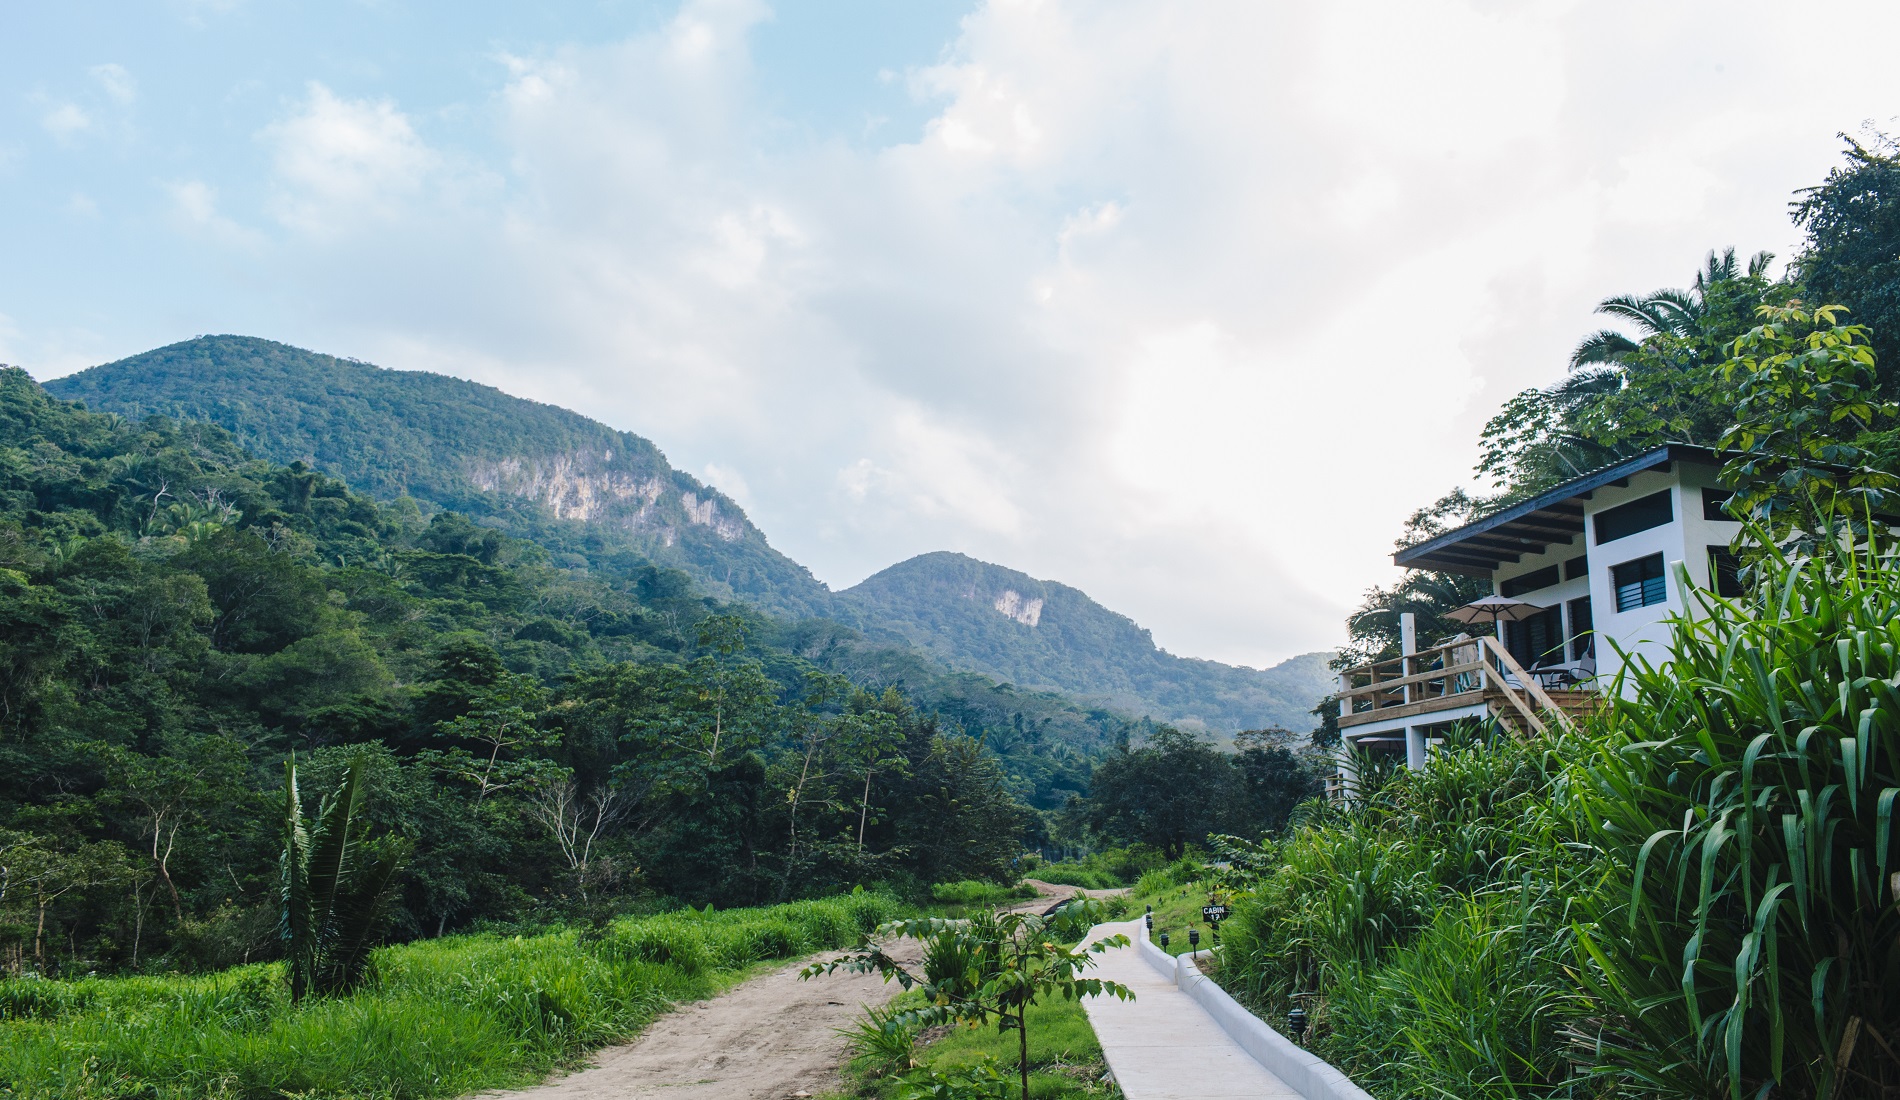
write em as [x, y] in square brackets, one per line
[584, 485]
[520, 465]
[572, 486]
[1013, 605]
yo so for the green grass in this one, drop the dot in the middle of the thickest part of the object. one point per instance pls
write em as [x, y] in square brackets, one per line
[443, 1017]
[970, 892]
[1177, 895]
[1065, 1059]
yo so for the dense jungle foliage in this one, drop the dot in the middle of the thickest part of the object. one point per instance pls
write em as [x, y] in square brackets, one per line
[552, 742]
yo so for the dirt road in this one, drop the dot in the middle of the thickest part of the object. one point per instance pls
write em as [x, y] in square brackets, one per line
[769, 1038]
[766, 1039]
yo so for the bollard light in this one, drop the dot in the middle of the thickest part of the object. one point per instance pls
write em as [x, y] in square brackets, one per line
[1194, 939]
[1151, 923]
[1296, 1023]
[1164, 941]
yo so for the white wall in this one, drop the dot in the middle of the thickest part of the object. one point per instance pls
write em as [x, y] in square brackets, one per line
[1686, 539]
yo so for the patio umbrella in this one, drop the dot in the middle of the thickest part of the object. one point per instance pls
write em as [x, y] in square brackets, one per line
[1495, 609]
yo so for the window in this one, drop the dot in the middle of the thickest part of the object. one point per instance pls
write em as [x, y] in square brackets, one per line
[1641, 514]
[1638, 583]
[1578, 566]
[1715, 504]
[1529, 582]
[1725, 572]
[1538, 640]
[1582, 642]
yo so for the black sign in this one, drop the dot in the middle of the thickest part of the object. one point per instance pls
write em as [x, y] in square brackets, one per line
[1213, 914]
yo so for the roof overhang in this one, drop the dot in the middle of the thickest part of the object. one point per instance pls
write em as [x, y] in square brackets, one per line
[1530, 527]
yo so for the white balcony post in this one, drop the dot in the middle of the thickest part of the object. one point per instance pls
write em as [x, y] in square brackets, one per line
[1408, 646]
[1415, 747]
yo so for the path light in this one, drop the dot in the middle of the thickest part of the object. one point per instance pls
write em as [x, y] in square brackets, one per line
[1296, 1023]
[1164, 941]
[1151, 923]
[1194, 939]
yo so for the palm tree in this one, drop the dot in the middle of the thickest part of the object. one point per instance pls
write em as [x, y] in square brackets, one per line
[1666, 312]
[1626, 391]
[336, 888]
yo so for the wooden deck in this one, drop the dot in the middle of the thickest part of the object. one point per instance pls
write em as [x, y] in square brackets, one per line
[1474, 672]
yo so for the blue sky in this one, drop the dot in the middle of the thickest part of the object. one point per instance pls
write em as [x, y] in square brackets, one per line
[112, 104]
[1187, 305]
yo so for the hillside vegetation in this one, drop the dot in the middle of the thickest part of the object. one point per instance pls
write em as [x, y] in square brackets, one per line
[542, 472]
[1021, 630]
[593, 496]
[550, 741]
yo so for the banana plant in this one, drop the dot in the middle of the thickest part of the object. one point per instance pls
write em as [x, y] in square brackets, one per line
[335, 888]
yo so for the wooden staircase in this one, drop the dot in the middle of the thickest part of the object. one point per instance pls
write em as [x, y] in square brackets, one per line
[1570, 705]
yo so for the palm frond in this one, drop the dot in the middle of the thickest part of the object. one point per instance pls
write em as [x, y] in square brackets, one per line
[1585, 382]
[1602, 346]
[333, 841]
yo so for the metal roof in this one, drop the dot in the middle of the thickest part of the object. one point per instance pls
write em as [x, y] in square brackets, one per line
[1532, 526]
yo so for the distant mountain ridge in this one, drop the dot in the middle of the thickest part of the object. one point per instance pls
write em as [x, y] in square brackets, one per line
[1006, 624]
[459, 445]
[554, 476]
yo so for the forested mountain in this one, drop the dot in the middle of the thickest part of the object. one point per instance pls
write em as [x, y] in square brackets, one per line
[541, 472]
[178, 618]
[1043, 634]
[593, 495]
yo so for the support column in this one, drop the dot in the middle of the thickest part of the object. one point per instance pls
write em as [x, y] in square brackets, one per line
[1408, 645]
[1415, 747]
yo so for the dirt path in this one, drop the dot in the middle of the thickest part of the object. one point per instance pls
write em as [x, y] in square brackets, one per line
[767, 1038]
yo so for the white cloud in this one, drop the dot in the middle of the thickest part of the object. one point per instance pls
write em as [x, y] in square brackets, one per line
[341, 162]
[194, 209]
[65, 121]
[1187, 305]
[116, 82]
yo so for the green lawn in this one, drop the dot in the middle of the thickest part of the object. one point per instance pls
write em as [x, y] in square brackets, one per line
[1177, 911]
[443, 1018]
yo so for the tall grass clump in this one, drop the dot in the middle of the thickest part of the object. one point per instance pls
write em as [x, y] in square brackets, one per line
[439, 1018]
[1692, 896]
[1749, 942]
[1420, 927]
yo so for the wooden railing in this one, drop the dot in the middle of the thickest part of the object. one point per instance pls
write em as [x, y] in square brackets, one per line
[1445, 677]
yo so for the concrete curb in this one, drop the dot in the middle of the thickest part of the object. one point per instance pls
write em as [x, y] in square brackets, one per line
[1162, 962]
[1306, 1073]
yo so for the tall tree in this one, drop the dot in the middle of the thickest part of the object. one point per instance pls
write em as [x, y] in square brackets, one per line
[1626, 394]
[1852, 252]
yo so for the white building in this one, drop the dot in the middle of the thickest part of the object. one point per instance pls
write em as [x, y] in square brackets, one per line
[1599, 554]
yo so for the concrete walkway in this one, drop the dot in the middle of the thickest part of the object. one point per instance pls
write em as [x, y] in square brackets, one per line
[1163, 1045]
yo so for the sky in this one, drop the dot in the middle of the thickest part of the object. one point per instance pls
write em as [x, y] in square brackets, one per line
[1186, 305]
